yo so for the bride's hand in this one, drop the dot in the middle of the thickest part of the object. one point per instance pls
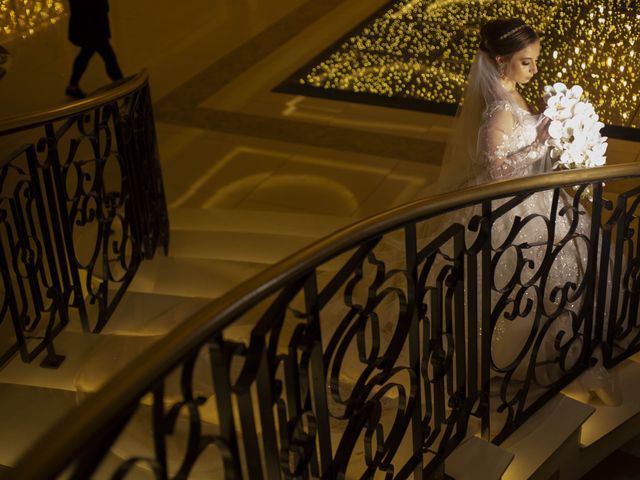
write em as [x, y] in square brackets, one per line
[542, 105]
[543, 129]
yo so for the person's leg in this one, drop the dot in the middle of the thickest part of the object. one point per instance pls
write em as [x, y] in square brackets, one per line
[80, 65]
[110, 61]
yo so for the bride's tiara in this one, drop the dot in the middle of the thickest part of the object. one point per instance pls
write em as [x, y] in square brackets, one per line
[511, 32]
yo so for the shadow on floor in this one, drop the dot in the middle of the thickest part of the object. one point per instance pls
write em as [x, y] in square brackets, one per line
[617, 466]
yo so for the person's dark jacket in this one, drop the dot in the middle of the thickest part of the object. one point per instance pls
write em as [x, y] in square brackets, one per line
[89, 22]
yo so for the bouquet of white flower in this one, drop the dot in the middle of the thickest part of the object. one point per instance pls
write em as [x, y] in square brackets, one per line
[574, 131]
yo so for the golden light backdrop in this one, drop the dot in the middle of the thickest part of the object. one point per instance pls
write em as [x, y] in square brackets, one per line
[21, 18]
[422, 49]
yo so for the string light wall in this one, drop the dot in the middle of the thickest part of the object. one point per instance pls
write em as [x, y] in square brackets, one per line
[21, 18]
[422, 50]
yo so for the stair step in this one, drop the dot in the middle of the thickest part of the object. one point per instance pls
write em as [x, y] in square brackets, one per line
[110, 464]
[115, 353]
[477, 459]
[606, 419]
[136, 441]
[611, 426]
[26, 413]
[205, 277]
[75, 346]
[635, 357]
[146, 314]
[244, 247]
[78, 348]
[546, 439]
[192, 277]
[255, 221]
[142, 471]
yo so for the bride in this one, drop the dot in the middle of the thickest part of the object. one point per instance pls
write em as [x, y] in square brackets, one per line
[540, 242]
[545, 267]
[497, 135]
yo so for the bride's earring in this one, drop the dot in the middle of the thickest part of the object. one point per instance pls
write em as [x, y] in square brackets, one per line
[502, 69]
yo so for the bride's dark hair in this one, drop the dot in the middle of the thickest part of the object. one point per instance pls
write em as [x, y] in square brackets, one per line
[505, 37]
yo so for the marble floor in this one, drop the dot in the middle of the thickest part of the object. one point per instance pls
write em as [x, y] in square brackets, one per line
[235, 143]
[227, 141]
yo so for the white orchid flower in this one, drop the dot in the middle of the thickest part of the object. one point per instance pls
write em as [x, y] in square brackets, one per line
[556, 153]
[554, 142]
[574, 131]
[556, 129]
[576, 91]
[550, 113]
[560, 87]
[582, 108]
[566, 159]
[601, 148]
[595, 159]
[579, 146]
[559, 107]
[577, 122]
[565, 110]
[552, 101]
[548, 93]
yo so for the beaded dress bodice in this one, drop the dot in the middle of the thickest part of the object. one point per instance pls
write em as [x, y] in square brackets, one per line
[508, 143]
[510, 147]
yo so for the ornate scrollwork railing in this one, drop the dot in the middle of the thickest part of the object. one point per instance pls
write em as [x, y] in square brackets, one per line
[376, 351]
[81, 205]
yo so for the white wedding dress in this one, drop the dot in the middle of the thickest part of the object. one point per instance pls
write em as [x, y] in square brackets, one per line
[535, 264]
[510, 147]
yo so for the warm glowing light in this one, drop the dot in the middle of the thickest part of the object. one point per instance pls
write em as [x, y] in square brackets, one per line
[422, 49]
[22, 18]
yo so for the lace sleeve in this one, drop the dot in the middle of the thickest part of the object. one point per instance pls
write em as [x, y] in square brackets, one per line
[501, 146]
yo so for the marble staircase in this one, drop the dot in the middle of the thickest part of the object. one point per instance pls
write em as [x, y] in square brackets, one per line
[203, 264]
[238, 206]
[213, 250]
[217, 245]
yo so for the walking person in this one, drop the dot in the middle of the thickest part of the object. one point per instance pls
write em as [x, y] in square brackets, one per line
[89, 30]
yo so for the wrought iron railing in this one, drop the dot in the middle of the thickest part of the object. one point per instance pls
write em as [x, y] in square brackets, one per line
[81, 205]
[376, 351]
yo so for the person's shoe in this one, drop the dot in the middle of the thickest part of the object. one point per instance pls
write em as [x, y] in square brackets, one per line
[75, 92]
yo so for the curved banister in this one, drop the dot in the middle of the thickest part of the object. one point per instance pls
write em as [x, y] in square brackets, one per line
[103, 95]
[92, 169]
[59, 447]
